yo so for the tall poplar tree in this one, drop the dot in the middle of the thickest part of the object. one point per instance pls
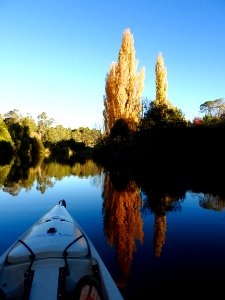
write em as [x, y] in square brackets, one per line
[124, 87]
[110, 101]
[161, 111]
[161, 81]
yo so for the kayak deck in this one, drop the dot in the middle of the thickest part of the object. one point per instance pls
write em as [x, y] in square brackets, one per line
[50, 239]
[48, 261]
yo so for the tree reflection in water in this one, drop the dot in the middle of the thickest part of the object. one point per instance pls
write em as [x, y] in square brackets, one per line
[122, 221]
[214, 202]
[124, 199]
[167, 204]
[16, 176]
[161, 202]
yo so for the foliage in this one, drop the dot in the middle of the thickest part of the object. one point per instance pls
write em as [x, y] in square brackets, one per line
[212, 121]
[19, 131]
[161, 81]
[84, 135]
[198, 121]
[12, 116]
[120, 130]
[29, 138]
[213, 108]
[4, 133]
[56, 134]
[43, 123]
[123, 87]
[160, 114]
[20, 136]
[63, 150]
[38, 149]
[29, 122]
[87, 136]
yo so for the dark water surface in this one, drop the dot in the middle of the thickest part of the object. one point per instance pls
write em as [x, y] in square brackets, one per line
[176, 243]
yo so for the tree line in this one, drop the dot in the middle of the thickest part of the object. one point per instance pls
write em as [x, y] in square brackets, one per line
[22, 136]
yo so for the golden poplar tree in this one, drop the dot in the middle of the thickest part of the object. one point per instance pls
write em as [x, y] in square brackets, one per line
[124, 87]
[110, 101]
[161, 107]
[161, 81]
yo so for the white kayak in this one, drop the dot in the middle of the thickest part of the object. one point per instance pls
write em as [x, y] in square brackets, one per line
[50, 261]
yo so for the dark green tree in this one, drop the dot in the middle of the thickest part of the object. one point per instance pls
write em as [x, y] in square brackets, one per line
[120, 130]
[160, 114]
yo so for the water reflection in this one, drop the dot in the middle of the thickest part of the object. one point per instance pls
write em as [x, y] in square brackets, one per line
[123, 224]
[129, 200]
[159, 204]
[15, 176]
[125, 200]
[214, 202]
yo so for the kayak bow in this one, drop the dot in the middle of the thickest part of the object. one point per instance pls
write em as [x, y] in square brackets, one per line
[50, 259]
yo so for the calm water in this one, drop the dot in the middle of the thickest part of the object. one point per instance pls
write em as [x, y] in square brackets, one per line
[147, 246]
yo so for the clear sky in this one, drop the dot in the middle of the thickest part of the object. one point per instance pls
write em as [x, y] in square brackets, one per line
[55, 54]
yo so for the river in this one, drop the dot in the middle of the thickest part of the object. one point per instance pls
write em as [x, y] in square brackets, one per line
[149, 243]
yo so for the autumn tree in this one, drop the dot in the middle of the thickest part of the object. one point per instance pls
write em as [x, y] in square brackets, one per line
[161, 81]
[124, 86]
[197, 121]
[161, 111]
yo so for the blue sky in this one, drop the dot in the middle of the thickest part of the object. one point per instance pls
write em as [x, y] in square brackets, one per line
[55, 54]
